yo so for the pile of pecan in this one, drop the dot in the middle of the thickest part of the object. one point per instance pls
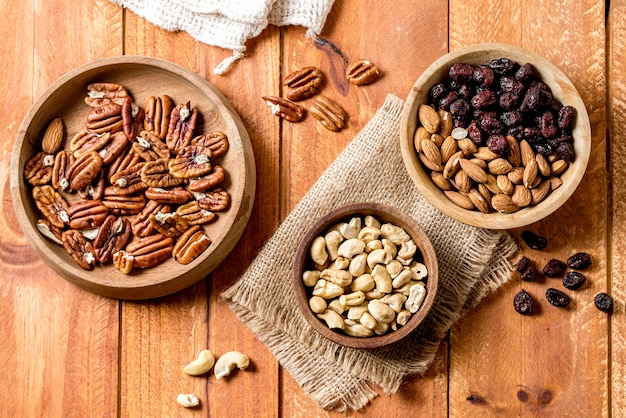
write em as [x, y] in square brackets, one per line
[306, 83]
[142, 182]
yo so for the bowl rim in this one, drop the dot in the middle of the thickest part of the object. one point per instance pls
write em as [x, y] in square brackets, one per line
[386, 213]
[142, 289]
[494, 220]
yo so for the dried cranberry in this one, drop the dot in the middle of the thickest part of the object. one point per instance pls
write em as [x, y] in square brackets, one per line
[530, 102]
[554, 268]
[557, 298]
[498, 145]
[565, 150]
[547, 126]
[460, 109]
[491, 125]
[437, 92]
[503, 66]
[465, 92]
[484, 99]
[532, 134]
[516, 131]
[474, 133]
[461, 72]
[579, 261]
[528, 270]
[573, 280]
[512, 118]
[554, 142]
[604, 302]
[525, 73]
[508, 101]
[566, 117]
[523, 264]
[483, 75]
[448, 99]
[543, 148]
[534, 241]
[511, 85]
[523, 302]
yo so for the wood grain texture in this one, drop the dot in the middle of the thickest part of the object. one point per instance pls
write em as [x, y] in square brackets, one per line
[542, 361]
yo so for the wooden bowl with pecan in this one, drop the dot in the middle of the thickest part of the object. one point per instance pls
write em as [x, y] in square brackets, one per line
[132, 177]
[365, 275]
[495, 136]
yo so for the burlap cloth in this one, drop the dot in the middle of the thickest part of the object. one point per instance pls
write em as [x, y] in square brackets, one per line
[472, 263]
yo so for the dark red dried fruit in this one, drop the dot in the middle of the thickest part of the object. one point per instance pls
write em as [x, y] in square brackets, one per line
[447, 100]
[511, 85]
[565, 150]
[573, 280]
[498, 145]
[525, 73]
[483, 75]
[437, 92]
[523, 264]
[460, 109]
[534, 241]
[461, 72]
[491, 125]
[528, 270]
[547, 126]
[554, 268]
[523, 302]
[474, 133]
[557, 298]
[604, 302]
[579, 261]
[484, 99]
[543, 148]
[503, 66]
[566, 117]
[512, 118]
[508, 101]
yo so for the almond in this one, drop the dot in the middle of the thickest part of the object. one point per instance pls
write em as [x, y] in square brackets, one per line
[446, 123]
[540, 192]
[53, 137]
[440, 181]
[473, 171]
[516, 175]
[460, 199]
[526, 152]
[543, 165]
[437, 139]
[429, 118]
[486, 154]
[420, 134]
[448, 148]
[515, 156]
[530, 173]
[505, 184]
[480, 163]
[521, 196]
[499, 166]
[478, 200]
[462, 181]
[558, 167]
[428, 163]
[431, 151]
[484, 192]
[452, 165]
[555, 183]
[467, 145]
[492, 184]
[503, 203]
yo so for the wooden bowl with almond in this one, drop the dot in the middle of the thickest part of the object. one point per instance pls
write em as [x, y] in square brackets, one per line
[365, 275]
[145, 180]
[495, 136]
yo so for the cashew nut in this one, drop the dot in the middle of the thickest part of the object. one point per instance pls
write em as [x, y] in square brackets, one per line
[341, 278]
[318, 251]
[390, 247]
[371, 221]
[403, 317]
[358, 330]
[374, 244]
[188, 400]
[340, 263]
[394, 300]
[364, 283]
[228, 361]
[405, 289]
[368, 321]
[381, 328]
[381, 311]
[351, 229]
[317, 304]
[310, 277]
[336, 306]
[394, 233]
[201, 364]
[407, 249]
[355, 312]
[417, 293]
[358, 265]
[378, 257]
[332, 319]
[351, 247]
[326, 289]
[394, 268]
[333, 239]
[374, 294]
[419, 270]
[352, 299]
[402, 278]
[382, 278]
[368, 233]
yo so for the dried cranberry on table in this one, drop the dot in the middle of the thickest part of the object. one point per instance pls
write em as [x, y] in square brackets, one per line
[604, 302]
[573, 280]
[534, 241]
[527, 269]
[523, 302]
[557, 298]
[554, 268]
[579, 261]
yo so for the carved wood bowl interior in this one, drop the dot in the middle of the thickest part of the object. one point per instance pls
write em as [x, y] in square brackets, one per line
[385, 214]
[562, 90]
[142, 77]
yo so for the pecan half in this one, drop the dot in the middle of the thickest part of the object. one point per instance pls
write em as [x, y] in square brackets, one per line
[158, 111]
[123, 261]
[156, 174]
[49, 231]
[216, 141]
[174, 196]
[51, 205]
[84, 169]
[123, 205]
[149, 251]
[38, 170]
[128, 181]
[132, 118]
[284, 108]
[122, 162]
[208, 181]
[149, 147]
[168, 224]
[62, 163]
[79, 248]
[215, 201]
[116, 147]
[304, 83]
[87, 214]
[362, 72]
[105, 118]
[192, 161]
[193, 214]
[95, 190]
[330, 114]
[112, 237]
[190, 245]
[99, 94]
[86, 141]
[182, 125]
[141, 225]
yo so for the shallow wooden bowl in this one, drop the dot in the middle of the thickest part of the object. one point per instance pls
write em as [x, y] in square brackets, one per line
[143, 77]
[385, 214]
[562, 90]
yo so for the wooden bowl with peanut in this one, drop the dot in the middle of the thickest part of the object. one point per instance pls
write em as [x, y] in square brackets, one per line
[365, 275]
[495, 136]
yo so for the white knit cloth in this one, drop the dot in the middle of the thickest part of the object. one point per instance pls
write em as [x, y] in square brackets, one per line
[230, 23]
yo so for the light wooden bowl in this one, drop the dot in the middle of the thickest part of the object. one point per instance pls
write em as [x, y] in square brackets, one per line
[384, 214]
[143, 77]
[562, 90]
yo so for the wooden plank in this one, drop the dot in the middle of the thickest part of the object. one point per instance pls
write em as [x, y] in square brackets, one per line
[418, 33]
[197, 317]
[500, 362]
[59, 342]
[616, 35]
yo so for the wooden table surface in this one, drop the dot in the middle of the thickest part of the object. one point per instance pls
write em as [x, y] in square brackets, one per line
[68, 352]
